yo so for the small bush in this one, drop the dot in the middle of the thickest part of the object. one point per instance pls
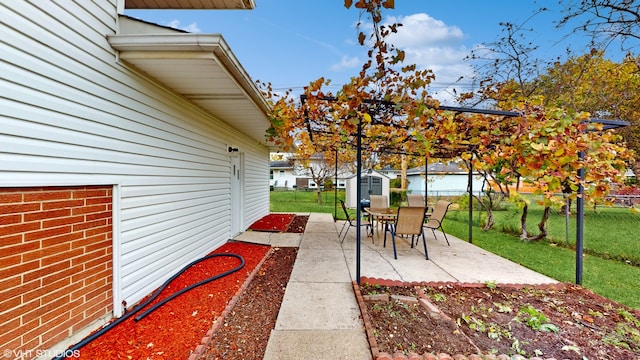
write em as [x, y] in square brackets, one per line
[396, 197]
[395, 183]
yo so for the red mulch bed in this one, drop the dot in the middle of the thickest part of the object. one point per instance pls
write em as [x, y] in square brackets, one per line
[273, 223]
[174, 330]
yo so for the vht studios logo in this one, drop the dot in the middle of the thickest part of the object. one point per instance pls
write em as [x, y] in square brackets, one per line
[16, 354]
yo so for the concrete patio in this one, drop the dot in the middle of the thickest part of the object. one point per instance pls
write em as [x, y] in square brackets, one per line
[320, 249]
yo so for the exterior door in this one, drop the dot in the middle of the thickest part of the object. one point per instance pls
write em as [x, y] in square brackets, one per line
[237, 202]
[370, 185]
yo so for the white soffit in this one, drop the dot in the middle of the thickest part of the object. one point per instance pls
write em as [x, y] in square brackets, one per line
[203, 69]
[190, 4]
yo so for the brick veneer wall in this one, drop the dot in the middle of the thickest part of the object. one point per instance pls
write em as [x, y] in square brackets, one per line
[55, 263]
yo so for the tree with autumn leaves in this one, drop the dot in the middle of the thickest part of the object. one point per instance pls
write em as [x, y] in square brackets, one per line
[387, 104]
[604, 88]
[588, 83]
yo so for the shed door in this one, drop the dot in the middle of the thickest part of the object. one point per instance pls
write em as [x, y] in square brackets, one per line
[370, 185]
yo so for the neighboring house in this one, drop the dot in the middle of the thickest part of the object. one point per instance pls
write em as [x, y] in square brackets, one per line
[444, 179]
[390, 172]
[342, 183]
[281, 175]
[127, 150]
[301, 171]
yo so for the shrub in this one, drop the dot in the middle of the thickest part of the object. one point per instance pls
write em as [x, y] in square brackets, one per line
[397, 196]
[395, 183]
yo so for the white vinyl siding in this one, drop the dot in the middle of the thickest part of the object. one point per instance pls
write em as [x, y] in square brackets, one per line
[70, 114]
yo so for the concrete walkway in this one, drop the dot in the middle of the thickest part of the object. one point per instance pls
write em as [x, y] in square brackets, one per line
[319, 317]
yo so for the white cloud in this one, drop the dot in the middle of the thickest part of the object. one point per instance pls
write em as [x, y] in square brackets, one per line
[422, 30]
[431, 44]
[192, 28]
[346, 63]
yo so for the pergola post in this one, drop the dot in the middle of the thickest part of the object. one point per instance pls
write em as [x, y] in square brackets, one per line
[470, 202]
[607, 125]
[426, 180]
[359, 197]
[580, 223]
[335, 190]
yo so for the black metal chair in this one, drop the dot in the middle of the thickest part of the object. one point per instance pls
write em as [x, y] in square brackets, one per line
[435, 220]
[350, 223]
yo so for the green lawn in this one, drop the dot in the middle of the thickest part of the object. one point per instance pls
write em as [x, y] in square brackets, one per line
[610, 278]
[305, 201]
[610, 240]
[608, 232]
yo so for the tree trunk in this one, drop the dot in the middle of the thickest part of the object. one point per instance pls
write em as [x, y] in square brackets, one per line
[523, 223]
[542, 225]
[319, 195]
[489, 210]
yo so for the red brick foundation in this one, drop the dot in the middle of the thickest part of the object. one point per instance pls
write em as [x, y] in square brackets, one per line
[55, 263]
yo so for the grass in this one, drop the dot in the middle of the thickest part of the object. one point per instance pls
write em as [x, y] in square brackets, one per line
[610, 239]
[305, 201]
[608, 232]
[612, 279]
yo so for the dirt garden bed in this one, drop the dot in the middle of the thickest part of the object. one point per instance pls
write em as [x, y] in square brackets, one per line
[544, 322]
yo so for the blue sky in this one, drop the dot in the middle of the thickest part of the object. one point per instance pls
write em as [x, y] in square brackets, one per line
[292, 42]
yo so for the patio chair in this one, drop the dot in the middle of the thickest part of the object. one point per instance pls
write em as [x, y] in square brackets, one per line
[378, 202]
[435, 220]
[410, 221]
[350, 222]
[414, 200]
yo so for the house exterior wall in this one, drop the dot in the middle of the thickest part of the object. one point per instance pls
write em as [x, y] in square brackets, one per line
[450, 184]
[73, 115]
[55, 263]
[283, 178]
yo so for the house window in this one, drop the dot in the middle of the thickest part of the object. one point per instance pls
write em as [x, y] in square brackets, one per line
[271, 175]
[281, 173]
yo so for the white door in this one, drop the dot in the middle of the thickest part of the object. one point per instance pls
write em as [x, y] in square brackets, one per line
[237, 177]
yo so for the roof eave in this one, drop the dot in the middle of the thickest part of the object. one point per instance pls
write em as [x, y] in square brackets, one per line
[194, 5]
[139, 49]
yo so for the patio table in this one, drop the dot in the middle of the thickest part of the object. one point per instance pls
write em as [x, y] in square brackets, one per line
[386, 216]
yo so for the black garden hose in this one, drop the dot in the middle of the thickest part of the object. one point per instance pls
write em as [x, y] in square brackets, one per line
[129, 314]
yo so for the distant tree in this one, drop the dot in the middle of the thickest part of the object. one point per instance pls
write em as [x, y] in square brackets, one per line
[604, 88]
[320, 167]
[604, 20]
[508, 59]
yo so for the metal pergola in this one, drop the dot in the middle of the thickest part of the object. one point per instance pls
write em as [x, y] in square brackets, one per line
[607, 125]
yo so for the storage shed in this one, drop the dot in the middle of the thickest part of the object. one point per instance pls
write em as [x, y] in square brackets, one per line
[371, 183]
